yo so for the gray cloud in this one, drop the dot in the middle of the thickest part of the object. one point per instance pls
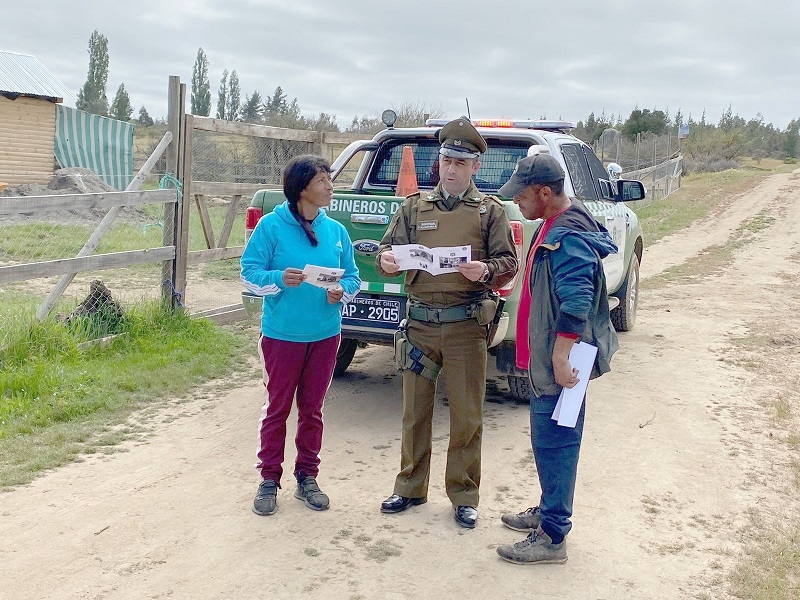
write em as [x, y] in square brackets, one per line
[511, 59]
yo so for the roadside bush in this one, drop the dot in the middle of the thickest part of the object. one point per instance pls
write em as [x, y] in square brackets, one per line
[708, 164]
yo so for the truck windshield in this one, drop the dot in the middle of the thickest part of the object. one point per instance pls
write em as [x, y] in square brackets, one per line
[497, 163]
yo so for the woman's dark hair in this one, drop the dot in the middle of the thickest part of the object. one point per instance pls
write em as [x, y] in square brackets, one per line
[297, 174]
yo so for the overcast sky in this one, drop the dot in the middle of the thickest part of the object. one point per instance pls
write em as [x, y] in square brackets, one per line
[521, 59]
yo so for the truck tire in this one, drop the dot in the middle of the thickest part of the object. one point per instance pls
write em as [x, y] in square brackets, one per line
[624, 316]
[344, 355]
[520, 387]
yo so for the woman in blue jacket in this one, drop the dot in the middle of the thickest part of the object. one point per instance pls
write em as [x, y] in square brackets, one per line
[300, 324]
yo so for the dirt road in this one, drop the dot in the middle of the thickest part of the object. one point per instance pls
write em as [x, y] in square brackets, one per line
[685, 458]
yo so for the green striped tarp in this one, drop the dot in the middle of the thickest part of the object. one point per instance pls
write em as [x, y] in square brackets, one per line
[97, 143]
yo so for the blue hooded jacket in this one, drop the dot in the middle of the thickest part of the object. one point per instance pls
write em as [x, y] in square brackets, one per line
[302, 313]
[568, 294]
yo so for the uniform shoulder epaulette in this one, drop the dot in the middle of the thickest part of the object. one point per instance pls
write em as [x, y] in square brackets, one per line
[413, 194]
[494, 199]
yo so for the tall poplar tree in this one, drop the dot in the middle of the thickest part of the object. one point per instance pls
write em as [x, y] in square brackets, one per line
[233, 107]
[222, 96]
[92, 97]
[201, 88]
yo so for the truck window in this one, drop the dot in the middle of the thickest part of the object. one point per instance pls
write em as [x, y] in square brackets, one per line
[598, 172]
[579, 173]
[497, 163]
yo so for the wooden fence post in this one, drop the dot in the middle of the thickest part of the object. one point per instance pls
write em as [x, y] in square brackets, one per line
[176, 100]
[185, 177]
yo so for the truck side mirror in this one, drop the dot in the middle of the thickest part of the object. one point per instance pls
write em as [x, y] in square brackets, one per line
[629, 190]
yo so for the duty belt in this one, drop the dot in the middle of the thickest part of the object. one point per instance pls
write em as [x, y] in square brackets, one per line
[451, 314]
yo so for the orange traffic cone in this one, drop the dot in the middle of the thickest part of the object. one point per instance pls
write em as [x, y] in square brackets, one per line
[407, 177]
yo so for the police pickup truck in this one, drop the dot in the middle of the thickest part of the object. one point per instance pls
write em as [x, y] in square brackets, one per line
[365, 176]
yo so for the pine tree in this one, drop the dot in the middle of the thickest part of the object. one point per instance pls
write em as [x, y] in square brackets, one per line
[233, 106]
[121, 108]
[145, 120]
[92, 97]
[253, 109]
[201, 88]
[222, 96]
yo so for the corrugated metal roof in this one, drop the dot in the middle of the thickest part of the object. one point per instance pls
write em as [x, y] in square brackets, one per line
[23, 74]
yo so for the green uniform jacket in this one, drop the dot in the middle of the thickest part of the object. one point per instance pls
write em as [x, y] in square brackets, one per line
[498, 250]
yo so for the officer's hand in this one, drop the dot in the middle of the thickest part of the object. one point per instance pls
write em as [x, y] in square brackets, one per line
[335, 294]
[472, 270]
[293, 277]
[387, 262]
[564, 374]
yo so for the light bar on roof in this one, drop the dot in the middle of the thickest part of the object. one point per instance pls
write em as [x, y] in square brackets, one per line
[498, 123]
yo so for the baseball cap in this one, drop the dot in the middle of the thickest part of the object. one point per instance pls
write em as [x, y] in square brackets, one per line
[539, 169]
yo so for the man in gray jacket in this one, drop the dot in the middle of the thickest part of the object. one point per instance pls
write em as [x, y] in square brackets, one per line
[564, 301]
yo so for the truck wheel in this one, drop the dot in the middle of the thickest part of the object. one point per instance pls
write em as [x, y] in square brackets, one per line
[344, 355]
[520, 387]
[624, 316]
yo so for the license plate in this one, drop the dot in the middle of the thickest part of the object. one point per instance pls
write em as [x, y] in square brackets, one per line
[374, 312]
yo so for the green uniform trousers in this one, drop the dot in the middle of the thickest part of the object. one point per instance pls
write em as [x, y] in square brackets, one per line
[461, 350]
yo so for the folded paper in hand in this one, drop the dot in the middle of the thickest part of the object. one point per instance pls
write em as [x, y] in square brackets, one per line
[324, 277]
[433, 260]
[581, 357]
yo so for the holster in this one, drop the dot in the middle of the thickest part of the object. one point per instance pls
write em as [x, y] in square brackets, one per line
[407, 356]
[496, 319]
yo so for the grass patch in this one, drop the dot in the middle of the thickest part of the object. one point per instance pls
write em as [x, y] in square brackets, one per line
[714, 258]
[770, 569]
[58, 401]
[700, 196]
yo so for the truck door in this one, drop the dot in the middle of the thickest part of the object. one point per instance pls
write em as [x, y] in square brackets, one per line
[586, 172]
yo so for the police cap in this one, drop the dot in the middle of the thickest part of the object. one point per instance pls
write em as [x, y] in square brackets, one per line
[459, 139]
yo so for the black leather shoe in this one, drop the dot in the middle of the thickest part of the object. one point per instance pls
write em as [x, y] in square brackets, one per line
[466, 516]
[397, 504]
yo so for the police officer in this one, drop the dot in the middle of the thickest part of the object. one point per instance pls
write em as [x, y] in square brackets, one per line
[447, 319]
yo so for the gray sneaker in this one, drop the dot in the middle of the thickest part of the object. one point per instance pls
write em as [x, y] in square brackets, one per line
[266, 502]
[308, 490]
[535, 549]
[528, 520]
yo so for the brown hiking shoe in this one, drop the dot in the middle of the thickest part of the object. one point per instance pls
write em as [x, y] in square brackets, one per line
[535, 549]
[528, 520]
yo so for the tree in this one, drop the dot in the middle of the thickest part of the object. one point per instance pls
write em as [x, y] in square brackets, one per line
[121, 108]
[790, 139]
[92, 97]
[253, 108]
[201, 88]
[644, 121]
[275, 107]
[222, 96]
[409, 114]
[233, 102]
[323, 122]
[365, 124]
[414, 114]
[145, 120]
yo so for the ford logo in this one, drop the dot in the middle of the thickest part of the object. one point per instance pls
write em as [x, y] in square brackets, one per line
[365, 247]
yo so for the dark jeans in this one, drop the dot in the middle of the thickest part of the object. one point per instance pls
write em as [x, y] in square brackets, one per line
[555, 450]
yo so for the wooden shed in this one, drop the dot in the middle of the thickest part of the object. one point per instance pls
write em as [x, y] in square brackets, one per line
[28, 97]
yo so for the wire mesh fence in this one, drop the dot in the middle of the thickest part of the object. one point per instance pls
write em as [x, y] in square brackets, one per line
[242, 159]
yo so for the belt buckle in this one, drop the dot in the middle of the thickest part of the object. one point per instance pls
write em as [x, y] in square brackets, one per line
[437, 315]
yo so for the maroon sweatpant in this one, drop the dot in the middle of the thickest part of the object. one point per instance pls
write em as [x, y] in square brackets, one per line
[304, 369]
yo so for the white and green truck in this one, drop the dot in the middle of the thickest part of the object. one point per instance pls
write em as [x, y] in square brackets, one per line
[365, 179]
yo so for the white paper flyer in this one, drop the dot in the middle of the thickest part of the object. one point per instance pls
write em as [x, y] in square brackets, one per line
[433, 260]
[324, 277]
